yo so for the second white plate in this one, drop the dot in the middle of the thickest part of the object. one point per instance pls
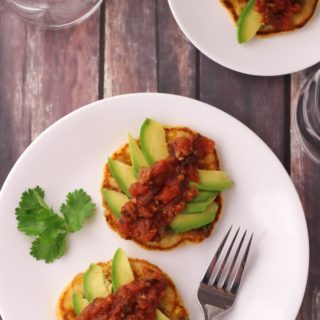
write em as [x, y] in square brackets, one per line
[210, 28]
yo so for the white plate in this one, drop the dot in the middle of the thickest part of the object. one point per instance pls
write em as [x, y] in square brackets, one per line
[71, 154]
[209, 27]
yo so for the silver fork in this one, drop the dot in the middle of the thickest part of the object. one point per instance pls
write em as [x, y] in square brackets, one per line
[216, 299]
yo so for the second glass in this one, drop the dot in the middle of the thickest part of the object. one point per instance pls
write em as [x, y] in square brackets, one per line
[307, 117]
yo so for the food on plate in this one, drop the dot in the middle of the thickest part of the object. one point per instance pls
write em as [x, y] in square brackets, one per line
[165, 188]
[35, 218]
[123, 288]
[264, 17]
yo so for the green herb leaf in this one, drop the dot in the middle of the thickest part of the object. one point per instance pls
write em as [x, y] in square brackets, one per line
[77, 209]
[51, 244]
[36, 218]
[33, 214]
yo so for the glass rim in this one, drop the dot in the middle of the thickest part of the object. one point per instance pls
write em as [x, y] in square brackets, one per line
[58, 26]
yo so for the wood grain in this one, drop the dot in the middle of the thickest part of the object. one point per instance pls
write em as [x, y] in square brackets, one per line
[306, 177]
[62, 71]
[14, 118]
[44, 75]
[177, 58]
[130, 47]
[258, 102]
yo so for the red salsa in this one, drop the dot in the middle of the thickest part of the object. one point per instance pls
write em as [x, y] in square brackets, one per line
[279, 13]
[163, 189]
[137, 300]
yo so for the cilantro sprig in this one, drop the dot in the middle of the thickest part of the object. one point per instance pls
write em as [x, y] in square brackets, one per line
[36, 218]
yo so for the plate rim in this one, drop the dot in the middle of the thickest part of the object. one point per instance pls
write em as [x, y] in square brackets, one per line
[204, 105]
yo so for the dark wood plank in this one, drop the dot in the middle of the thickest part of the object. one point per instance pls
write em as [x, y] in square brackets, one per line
[62, 71]
[306, 177]
[44, 75]
[130, 47]
[14, 118]
[258, 102]
[177, 58]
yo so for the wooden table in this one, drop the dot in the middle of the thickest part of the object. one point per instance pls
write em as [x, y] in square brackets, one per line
[136, 46]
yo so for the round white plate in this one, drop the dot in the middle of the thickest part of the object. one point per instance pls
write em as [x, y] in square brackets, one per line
[210, 28]
[71, 154]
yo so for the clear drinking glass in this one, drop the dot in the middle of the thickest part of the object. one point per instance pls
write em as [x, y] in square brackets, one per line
[54, 14]
[307, 117]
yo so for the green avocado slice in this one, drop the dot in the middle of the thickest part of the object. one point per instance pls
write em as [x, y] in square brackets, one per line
[79, 302]
[95, 284]
[160, 315]
[189, 221]
[115, 200]
[123, 174]
[193, 207]
[137, 158]
[121, 272]
[214, 180]
[205, 195]
[153, 141]
[249, 22]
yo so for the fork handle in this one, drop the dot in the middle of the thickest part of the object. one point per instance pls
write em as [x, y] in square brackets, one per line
[211, 312]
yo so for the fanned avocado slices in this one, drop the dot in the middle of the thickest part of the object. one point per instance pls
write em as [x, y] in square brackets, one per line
[94, 283]
[153, 146]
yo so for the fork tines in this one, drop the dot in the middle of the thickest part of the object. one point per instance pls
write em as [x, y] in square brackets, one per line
[231, 282]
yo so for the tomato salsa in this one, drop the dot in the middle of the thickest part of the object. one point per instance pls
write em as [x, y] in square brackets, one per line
[279, 13]
[137, 300]
[163, 189]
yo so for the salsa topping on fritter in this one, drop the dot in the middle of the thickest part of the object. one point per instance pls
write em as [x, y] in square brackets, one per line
[279, 13]
[163, 190]
[164, 187]
[121, 289]
[265, 17]
[135, 301]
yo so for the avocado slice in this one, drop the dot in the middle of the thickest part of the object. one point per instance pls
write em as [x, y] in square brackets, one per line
[193, 207]
[95, 285]
[115, 200]
[160, 315]
[79, 302]
[121, 271]
[123, 174]
[137, 158]
[205, 196]
[189, 221]
[214, 180]
[249, 22]
[153, 141]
